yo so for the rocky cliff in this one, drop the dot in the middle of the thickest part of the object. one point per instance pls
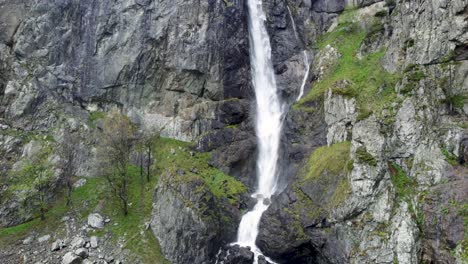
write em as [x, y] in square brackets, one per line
[390, 83]
[373, 163]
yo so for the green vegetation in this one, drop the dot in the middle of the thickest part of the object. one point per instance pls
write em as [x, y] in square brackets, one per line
[228, 4]
[27, 136]
[340, 194]
[381, 13]
[413, 74]
[53, 215]
[463, 211]
[33, 182]
[404, 186]
[118, 138]
[369, 83]
[409, 43]
[449, 157]
[405, 189]
[328, 159]
[95, 196]
[366, 157]
[96, 115]
[326, 168]
[231, 126]
[176, 154]
[456, 101]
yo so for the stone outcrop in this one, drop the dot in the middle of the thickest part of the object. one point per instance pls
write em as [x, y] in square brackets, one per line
[197, 222]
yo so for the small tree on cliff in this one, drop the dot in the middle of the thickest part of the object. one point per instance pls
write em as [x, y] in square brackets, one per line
[146, 144]
[35, 180]
[68, 152]
[116, 143]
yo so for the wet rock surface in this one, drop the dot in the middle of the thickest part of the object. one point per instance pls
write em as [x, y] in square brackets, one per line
[235, 254]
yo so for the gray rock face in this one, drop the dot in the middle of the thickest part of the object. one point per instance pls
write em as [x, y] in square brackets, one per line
[379, 222]
[196, 225]
[340, 115]
[28, 240]
[435, 29]
[160, 60]
[443, 223]
[184, 66]
[236, 255]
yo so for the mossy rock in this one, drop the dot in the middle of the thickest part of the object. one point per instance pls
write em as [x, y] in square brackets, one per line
[323, 185]
[371, 85]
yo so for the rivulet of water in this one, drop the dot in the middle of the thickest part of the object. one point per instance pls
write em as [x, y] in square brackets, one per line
[306, 59]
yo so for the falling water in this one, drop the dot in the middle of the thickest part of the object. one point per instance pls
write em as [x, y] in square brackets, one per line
[306, 59]
[268, 125]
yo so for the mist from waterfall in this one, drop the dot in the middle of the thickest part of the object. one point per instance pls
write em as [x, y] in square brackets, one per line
[269, 114]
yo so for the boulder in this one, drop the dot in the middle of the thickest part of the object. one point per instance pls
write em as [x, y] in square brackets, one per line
[28, 240]
[189, 221]
[71, 258]
[96, 221]
[43, 238]
[93, 242]
[82, 252]
[79, 183]
[57, 245]
[77, 242]
[236, 255]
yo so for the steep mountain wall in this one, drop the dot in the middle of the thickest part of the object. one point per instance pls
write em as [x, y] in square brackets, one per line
[373, 156]
[391, 85]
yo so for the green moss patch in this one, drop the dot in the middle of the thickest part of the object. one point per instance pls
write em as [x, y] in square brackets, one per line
[331, 159]
[326, 173]
[449, 157]
[176, 154]
[96, 115]
[370, 84]
[404, 185]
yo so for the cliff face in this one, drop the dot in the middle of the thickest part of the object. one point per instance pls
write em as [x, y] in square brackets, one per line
[390, 84]
[373, 155]
[171, 63]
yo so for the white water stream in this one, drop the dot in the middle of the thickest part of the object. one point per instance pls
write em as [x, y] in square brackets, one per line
[306, 59]
[268, 125]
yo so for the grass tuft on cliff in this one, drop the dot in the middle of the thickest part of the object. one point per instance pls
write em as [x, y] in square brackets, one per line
[370, 83]
[332, 159]
[327, 169]
[404, 185]
[177, 154]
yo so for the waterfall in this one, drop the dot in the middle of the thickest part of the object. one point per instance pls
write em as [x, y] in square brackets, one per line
[268, 125]
[306, 59]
